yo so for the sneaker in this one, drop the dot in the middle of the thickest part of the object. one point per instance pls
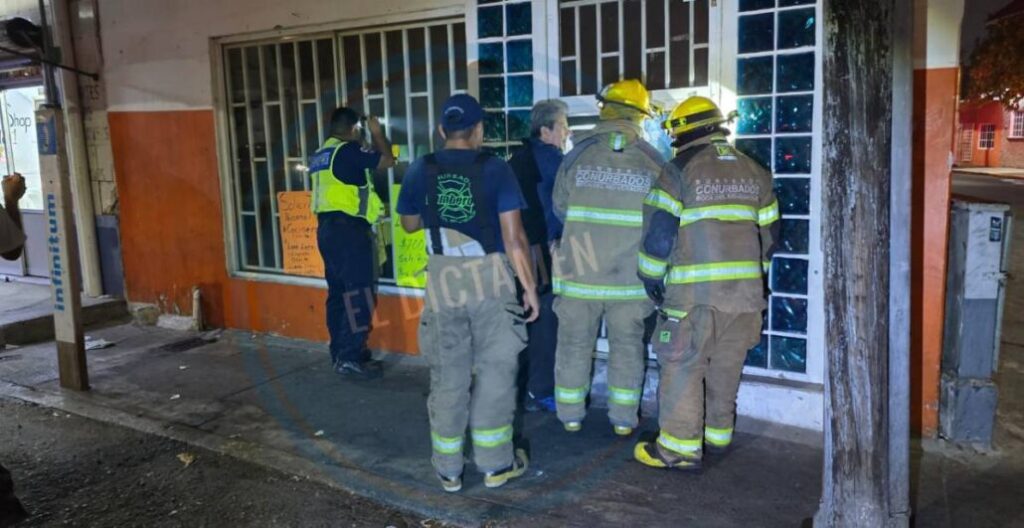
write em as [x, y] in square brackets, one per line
[356, 369]
[452, 484]
[622, 430]
[573, 427]
[495, 479]
[648, 454]
[540, 404]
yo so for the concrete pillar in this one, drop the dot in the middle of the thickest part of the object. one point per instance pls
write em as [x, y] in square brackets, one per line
[936, 92]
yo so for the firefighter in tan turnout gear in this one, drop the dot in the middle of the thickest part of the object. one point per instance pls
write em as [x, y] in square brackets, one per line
[709, 228]
[599, 193]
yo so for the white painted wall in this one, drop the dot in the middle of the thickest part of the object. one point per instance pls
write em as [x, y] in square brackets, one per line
[937, 33]
[157, 52]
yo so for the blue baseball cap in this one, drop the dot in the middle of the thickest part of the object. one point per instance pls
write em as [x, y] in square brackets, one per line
[461, 111]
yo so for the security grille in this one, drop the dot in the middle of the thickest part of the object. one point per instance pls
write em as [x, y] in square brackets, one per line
[966, 146]
[663, 42]
[281, 94]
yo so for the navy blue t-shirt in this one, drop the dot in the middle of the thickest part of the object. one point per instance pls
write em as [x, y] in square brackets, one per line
[500, 186]
[351, 162]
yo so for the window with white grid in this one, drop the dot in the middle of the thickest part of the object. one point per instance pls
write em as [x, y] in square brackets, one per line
[775, 87]
[987, 136]
[965, 147]
[664, 43]
[1017, 124]
[506, 68]
[281, 94]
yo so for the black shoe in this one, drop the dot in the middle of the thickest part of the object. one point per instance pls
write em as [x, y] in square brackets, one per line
[359, 369]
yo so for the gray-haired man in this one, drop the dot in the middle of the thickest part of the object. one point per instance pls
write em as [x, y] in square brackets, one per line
[535, 165]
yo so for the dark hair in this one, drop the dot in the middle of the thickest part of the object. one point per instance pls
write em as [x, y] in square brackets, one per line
[343, 119]
[461, 134]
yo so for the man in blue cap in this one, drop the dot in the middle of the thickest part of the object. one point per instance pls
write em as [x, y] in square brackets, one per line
[473, 325]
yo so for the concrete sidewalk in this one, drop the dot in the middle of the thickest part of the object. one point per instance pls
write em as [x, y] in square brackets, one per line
[26, 311]
[276, 402]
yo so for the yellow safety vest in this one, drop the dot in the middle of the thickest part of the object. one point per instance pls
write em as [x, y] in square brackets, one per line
[331, 194]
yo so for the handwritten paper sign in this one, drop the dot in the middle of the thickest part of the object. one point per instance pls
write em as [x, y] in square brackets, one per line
[298, 235]
[410, 251]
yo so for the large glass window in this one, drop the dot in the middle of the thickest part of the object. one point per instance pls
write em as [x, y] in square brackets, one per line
[18, 147]
[775, 88]
[506, 60]
[280, 96]
[662, 42]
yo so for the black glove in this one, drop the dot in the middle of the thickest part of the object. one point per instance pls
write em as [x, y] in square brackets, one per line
[655, 289]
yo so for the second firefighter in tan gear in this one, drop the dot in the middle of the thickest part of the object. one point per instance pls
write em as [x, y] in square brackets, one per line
[707, 243]
[599, 193]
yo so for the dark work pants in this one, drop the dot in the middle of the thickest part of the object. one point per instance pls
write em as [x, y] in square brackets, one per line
[540, 351]
[347, 247]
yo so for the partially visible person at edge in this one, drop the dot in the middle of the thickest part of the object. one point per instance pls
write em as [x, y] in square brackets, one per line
[536, 164]
[472, 327]
[12, 240]
[346, 206]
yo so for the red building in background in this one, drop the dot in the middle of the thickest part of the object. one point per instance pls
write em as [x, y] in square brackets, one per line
[989, 135]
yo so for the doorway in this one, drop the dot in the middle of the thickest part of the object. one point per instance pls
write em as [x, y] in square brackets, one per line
[19, 153]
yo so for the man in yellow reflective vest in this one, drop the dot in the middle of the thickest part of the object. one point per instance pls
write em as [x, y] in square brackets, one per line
[599, 193]
[709, 232]
[346, 206]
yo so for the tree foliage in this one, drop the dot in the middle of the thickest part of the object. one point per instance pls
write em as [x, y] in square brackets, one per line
[996, 70]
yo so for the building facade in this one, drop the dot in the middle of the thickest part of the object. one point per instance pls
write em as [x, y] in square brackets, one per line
[990, 135]
[213, 108]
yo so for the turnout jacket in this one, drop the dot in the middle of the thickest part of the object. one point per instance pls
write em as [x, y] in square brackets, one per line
[710, 226]
[599, 194]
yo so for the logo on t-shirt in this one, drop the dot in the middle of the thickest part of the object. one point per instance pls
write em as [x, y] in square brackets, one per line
[455, 199]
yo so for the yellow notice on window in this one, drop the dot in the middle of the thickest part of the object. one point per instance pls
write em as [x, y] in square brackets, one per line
[298, 235]
[410, 250]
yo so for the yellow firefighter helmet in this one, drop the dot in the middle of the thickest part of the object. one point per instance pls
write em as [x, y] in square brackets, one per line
[693, 113]
[629, 92]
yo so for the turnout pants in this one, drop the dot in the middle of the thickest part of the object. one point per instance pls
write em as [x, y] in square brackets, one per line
[701, 357]
[578, 324]
[471, 333]
[347, 246]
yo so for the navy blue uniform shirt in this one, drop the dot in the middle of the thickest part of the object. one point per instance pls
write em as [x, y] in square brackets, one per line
[351, 162]
[500, 186]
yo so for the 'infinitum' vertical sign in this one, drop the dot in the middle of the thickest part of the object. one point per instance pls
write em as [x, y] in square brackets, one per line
[63, 249]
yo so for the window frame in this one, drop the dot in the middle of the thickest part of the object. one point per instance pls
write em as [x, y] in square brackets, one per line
[222, 124]
[1016, 124]
[983, 130]
[586, 105]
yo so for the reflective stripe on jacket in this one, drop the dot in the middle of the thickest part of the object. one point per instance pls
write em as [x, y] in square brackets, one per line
[331, 194]
[599, 194]
[726, 212]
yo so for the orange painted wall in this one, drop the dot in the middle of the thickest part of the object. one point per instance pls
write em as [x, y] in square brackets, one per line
[935, 118]
[172, 238]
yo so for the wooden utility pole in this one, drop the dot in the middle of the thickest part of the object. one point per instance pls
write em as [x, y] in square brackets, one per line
[866, 211]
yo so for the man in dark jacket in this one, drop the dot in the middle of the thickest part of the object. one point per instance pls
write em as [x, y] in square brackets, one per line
[535, 165]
